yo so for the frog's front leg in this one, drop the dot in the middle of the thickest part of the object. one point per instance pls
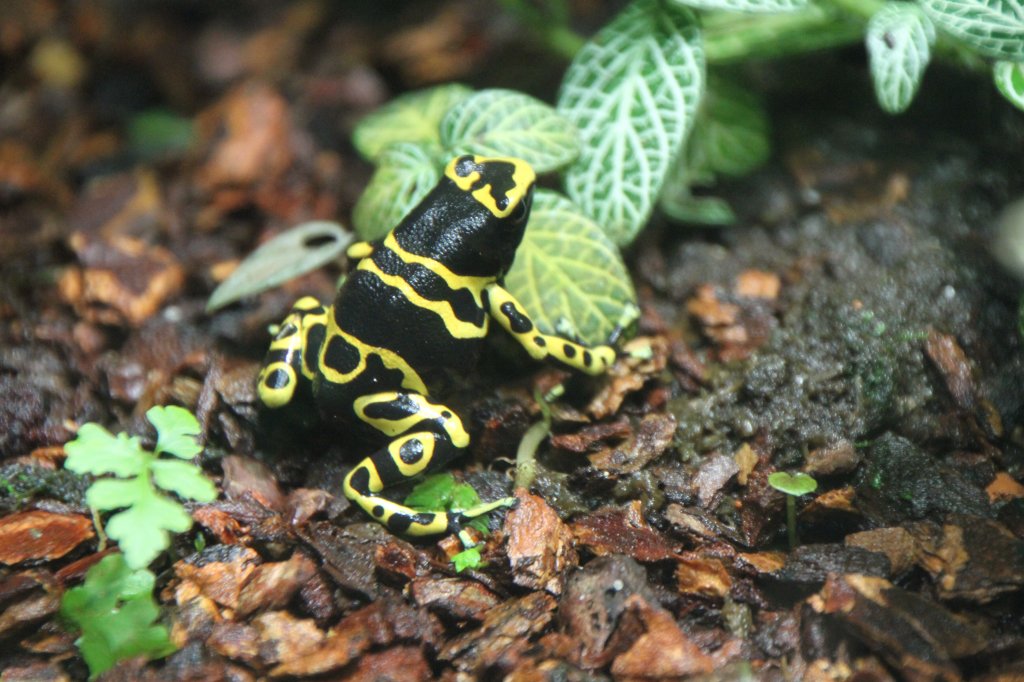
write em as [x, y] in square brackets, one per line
[425, 436]
[509, 313]
[291, 359]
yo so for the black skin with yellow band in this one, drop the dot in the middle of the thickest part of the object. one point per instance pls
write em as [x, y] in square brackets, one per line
[417, 308]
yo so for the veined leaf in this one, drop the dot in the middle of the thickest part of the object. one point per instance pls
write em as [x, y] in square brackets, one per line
[633, 92]
[1009, 78]
[405, 174]
[508, 123]
[732, 129]
[995, 28]
[899, 42]
[413, 117]
[747, 6]
[302, 249]
[567, 273]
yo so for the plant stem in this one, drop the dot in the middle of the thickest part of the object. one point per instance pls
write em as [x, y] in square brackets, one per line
[526, 463]
[791, 521]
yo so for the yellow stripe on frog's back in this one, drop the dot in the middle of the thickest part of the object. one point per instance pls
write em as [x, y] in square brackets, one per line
[459, 329]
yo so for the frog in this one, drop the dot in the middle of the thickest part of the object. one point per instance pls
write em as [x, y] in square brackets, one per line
[416, 307]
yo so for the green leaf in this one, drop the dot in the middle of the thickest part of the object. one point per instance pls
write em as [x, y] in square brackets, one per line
[142, 530]
[686, 208]
[568, 275]
[413, 117]
[1009, 78]
[177, 430]
[434, 492]
[633, 92]
[404, 175]
[115, 611]
[97, 451]
[507, 123]
[301, 249]
[158, 133]
[467, 558]
[995, 28]
[792, 484]
[732, 129]
[184, 479]
[899, 40]
[113, 493]
[747, 6]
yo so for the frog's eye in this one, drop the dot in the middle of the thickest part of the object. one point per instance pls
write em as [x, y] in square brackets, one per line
[464, 166]
[519, 212]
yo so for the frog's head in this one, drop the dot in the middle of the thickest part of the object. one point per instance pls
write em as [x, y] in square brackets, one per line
[475, 218]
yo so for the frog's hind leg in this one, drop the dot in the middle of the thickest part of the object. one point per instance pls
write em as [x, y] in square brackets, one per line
[289, 366]
[425, 436]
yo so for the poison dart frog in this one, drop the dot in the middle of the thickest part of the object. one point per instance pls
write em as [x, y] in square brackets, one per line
[416, 308]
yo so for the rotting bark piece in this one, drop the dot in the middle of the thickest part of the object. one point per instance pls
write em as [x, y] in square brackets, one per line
[651, 438]
[348, 553]
[273, 585]
[247, 475]
[623, 531]
[951, 361]
[540, 546]
[248, 138]
[502, 637]
[122, 281]
[592, 436]
[222, 525]
[592, 604]
[27, 598]
[399, 663]
[836, 458]
[895, 543]
[126, 204]
[38, 671]
[662, 652]
[454, 598]
[237, 641]
[702, 576]
[901, 482]
[713, 474]
[219, 573]
[40, 534]
[812, 564]
[382, 623]
[629, 374]
[970, 559]
[916, 636]
[401, 560]
[282, 637]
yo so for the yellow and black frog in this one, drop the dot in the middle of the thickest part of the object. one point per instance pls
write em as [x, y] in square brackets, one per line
[416, 308]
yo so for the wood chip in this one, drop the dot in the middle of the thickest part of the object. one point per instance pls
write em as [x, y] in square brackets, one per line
[41, 535]
[662, 652]
[540, 546]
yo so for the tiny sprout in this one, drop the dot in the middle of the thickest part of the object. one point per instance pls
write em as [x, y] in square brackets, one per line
[793, 485]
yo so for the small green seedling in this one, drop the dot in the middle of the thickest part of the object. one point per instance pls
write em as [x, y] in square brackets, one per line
[793, 485]
[115, 611]
[442, 491]
[142, 479]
